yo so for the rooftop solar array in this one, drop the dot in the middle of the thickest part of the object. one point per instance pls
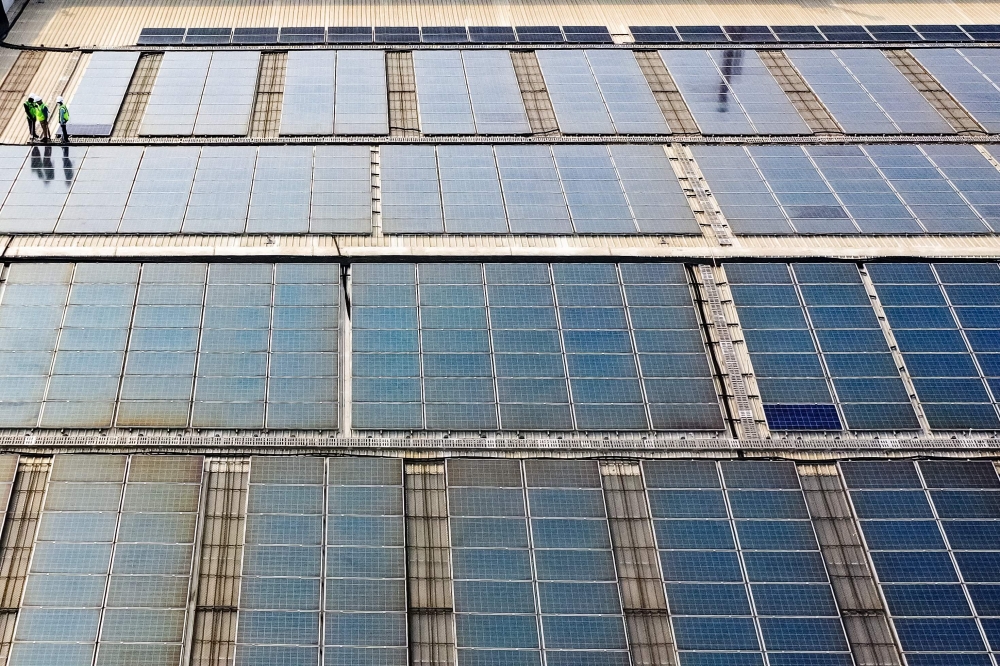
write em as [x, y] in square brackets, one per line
[528, 347]
[546, 189]
[187, 189]
[100, 92]
[162, 345]
[666, 34]
[881, 189]
[732, 92]
[866, 93]
[972, 76]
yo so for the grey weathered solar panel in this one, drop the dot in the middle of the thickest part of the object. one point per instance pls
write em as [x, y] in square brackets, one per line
[176, 95]
[745, 199]
[596, 201]
[161, 190]
[282, 184]
[307, 104]
[101, 191]
[626, 92]
[492, 34]
[220, 195]
[539, 34]
[229, 94]
[575, 96]
[411, 197]
[531, 190]
[362, 105]
[303, 35]
[11, 161]
[349, 35]
[40, 190]
[100, 93]
[846, 33]
[866, 93]
[470, 190]
[973, 175]
[342, 190]
[157, 36]
[757, 93]
[444, 34]
[442, 94]
[205, 36]
[255, 36]
[497, 105]
[658, 203]
[972, 76]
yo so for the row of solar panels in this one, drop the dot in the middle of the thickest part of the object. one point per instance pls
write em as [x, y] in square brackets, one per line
[495, 346]
[592, 91]
[620, 189]
[704, 34]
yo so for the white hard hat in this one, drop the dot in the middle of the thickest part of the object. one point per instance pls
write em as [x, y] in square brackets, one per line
[31, 98]
[59, 99]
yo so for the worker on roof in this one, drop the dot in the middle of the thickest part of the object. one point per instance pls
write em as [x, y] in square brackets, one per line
[29, 111]
[62, 115]
[42, 114]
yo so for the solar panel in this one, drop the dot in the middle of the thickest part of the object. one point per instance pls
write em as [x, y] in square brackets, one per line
[176, 94]
[497, 104]
[349, 35]
[702, 33]
[942, 33]
[11, 161]
[449, 34]
[596, 201]
[221, 191]
[397, 35]
[972, 175]
[255, 36]
[161, 189]
[282, 185]
[803, 193]
[38, 194]
[626, 92]
[983, 33]
[797, 33]
[846, 33]
[160, 36]
[587, 34]
[969, 75]
[342, 190]
[411, 197]
[442, 93]
[576, 97]
[658, 204]
[539, 34]
[470, 190]
[230, 89]
[100, 93]
[531, 190]
[893, 33]
[654, 34]
[308, 102]
[101, 190]
[362, 105]
[208, 36]
[303, 35]
[490, 34]
[749, 33]
[745, 200]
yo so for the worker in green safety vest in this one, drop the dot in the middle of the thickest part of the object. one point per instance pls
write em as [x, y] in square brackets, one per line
[42, 115]
[62, 115]
[29, 111]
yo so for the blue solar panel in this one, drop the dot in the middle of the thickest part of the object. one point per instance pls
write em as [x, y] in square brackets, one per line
[160, 36]
[349, 35]
[539, 34]
[492, 34]
[749, 33]
[702, 33]
[587, 34]
[942, 33]
[983, 33]
[846, 33]
[397, 35]
[654, 34]
[256, 36]
[893, 33]
[797, 33]
[444, 34]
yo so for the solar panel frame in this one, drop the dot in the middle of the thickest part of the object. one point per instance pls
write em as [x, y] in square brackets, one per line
[341, 190]
[702, 33]
[160, 36]
[893, 33]
[539, 34]
[101, 190]
[161, 190]
[255, 36]
[626, 93]
[596, 200]
[533, 195]
[576, 97]
[397, 35]
[983, 33]
[442, 93]
[448, 34]
[654, 34]
[100, 93]
[349, 35]
[749, 33]
[488, 34]
[308, 98]
[208, 36]
[411, 190]
[303, 35]
[846, 33]
[975, 178]
[220, 194]
[806, 34]
[587, 34]
[281, 190]
[656, 198]
[942, 33]
[229, 94]
[470, 190]
[968, 76]
[497, 104]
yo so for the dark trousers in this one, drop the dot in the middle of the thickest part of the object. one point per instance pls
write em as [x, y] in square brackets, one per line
[31, 128]
[63, 132]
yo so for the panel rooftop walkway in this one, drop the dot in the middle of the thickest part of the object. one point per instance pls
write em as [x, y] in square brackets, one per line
[501, 334]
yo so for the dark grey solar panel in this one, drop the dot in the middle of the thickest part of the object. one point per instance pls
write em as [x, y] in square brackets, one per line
[749, 33]
[587, 34]
[348, 35]
[160, 36]
[539, 34]
[305, 35]
[444, 34]
[942, 33]
[492, 34]
[255, 35]
[846, 33]
[208, 36]
[893, 33]
[983, 33]
[798, 33]
[654, 34]
[702, 33]
[397, 35]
